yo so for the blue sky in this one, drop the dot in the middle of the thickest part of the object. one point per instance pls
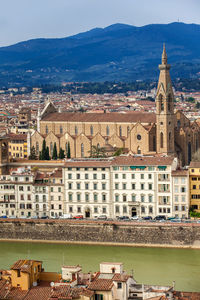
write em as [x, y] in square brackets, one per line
[26, 19]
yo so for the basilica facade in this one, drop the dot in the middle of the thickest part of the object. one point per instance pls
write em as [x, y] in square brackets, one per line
[167, 131]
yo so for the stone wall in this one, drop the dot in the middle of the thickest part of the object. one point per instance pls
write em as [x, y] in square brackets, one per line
[102, 232]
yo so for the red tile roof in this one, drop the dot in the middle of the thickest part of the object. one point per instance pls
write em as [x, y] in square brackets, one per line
[101, 285]
[133, 117]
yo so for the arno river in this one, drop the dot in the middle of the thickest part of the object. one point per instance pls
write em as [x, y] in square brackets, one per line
[149, 265]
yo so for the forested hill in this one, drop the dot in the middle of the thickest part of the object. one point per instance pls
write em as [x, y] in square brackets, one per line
[116, 53]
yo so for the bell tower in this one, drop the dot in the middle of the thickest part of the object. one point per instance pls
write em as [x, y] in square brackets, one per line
[165, 109]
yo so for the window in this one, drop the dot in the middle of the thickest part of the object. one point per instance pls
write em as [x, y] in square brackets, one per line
[69, 186]
[120, 131]
[95, 176]
[86, 176]
[150, 186]
[142, 209]
[103, 186]
[91, 130]
[51, 189]
[116, 209]
[142, 197]
[59, 190]
[71, 209]
[119, 285]
[104, 210]
[95, 209]
[69, 176]
[21, 188]
[86, 186]
[133, 186]
[82, 150]
[124, 186]
[133, 198]
[95, 186]
[124, 209]
[76, 130]
[142, 186]
[150, 176]
[61, 129]
[116, 186]
[150, 209]
[104, 198]
[161, 140]
[103, 176]
[133, 176]
[78, 186]
[46, 129]
[78, 197]
[28, 188]
[123, 176]
[116, 176]
[150, 198]
[116, 198]
[139, 137]
[124, 198]
[78, 176]
[86, 197]
[95, 197]
[183, 180]
[183, 189]
[70, 197]
[51, 149]
[107, 131]
[78, 209]
[141, 176]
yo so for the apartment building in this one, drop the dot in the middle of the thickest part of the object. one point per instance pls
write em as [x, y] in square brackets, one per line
[181, 201]
[120, 186]
[194, 174]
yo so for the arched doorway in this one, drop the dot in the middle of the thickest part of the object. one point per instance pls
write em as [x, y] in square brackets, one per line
[87, 213]
[133, 212]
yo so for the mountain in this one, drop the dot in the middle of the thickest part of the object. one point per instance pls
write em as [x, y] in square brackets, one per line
[118, 52]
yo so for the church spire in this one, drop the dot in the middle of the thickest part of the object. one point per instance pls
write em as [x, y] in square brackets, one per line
[164, 56]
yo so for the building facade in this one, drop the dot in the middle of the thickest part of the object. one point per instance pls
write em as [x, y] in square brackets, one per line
[167, 131]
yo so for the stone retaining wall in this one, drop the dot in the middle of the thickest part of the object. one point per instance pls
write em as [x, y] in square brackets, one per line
[102, 232]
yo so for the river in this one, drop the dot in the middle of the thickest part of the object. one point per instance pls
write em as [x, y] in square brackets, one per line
[148, 265]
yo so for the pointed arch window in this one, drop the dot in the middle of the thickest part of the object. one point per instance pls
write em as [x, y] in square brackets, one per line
[154, 143]
[161, 140]
[91, 130]
[82, 150]
[76, 130]
[107, 130]
[138, 150]
[128, 130]
[98, 146]
[47, 129]
[51, 148]
[120, 130]
[161, 102]
[61, 129]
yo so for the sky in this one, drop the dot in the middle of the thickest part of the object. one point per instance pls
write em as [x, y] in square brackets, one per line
[22, 20]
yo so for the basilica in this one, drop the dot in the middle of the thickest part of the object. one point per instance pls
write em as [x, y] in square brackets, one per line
[166, 132]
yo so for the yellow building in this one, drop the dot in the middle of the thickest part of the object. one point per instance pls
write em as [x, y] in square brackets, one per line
[25, 273]
[18, 146]
[194, 173]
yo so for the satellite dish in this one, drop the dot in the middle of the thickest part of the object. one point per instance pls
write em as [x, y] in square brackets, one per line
[52, 284]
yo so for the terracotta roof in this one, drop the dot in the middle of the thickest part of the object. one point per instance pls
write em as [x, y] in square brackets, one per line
[18, 137]
[133, 117]
[101, 285]
[65, 292]
[120, 277]
[180, 173]
[88, 163]
[142, 160]
[195, 164]
[23, 265]
[56, 174]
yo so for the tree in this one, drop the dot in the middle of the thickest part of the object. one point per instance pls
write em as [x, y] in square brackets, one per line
[196, 156]
[40, 155]
[68, 150]
[43, 153]
[33, 153]
[97, 152]
[118, 152]
[55, 154]
[61, 153]
[47, 157]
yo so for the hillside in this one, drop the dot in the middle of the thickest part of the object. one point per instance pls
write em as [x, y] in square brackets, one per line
[118, 52]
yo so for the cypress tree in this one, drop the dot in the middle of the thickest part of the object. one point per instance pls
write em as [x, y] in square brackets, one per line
[33, 153]
[47, 157]
[68, 151]
[40, 155]
[43, 154]
[55, 154]
[61, 153]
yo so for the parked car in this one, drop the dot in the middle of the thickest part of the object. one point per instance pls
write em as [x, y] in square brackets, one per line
[102, 217]
[160, 218]
[78, 217]
[66, 216]
[3, 217]
[44, 217]
[147, 218]
[135, 218]
[123, 218]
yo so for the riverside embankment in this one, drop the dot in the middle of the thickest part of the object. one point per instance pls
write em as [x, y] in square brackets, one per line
[183, 235]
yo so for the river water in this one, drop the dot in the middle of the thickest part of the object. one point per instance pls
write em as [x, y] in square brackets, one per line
[148, 265]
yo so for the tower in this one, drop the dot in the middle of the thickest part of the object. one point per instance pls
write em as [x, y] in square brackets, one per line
[165, 109]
